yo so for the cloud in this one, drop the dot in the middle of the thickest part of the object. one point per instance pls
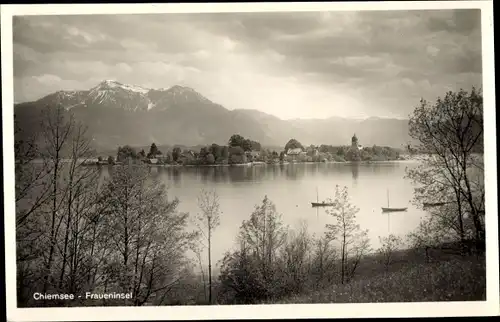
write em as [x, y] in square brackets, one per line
[47, 79]
[290, 64]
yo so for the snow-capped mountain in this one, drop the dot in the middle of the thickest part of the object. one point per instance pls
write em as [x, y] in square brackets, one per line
[111, 93]
[118, 114]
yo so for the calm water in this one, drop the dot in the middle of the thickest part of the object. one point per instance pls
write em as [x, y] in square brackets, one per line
[292, 188]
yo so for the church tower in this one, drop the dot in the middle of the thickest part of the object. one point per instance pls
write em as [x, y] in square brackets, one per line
[354, 141]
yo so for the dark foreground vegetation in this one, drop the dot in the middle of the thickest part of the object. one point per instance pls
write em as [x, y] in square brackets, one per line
[77, 232]
[448, 276]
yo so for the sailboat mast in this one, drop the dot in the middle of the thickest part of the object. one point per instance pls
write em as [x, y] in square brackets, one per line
[387, 198]
[317, 195]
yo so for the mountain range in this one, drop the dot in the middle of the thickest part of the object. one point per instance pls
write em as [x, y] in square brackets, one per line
[118, 114]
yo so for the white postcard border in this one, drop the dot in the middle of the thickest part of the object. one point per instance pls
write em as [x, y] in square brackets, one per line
[438, 309]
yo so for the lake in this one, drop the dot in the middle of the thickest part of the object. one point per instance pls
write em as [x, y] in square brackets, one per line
[292, 188]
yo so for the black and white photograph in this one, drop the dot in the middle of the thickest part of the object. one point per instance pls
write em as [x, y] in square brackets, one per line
[218, 160]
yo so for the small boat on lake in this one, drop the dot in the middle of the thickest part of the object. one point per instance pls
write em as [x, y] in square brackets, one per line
[389, 209]
[321, 204]
[394, 209]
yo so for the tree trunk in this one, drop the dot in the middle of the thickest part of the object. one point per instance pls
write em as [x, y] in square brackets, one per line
[209, 263]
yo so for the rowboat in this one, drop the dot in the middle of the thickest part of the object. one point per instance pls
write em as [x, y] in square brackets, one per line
[394, 209]
[322, 204]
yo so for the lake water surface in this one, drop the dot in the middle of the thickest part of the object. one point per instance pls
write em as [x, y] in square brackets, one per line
[292, 188]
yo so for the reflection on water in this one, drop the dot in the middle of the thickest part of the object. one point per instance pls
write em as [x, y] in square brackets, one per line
[239, 174]
[292, 188]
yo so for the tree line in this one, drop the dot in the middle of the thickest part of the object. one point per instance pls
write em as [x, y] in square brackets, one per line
[239, 150]
[77, 231]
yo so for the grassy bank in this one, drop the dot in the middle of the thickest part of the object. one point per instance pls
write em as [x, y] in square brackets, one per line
[445, 276]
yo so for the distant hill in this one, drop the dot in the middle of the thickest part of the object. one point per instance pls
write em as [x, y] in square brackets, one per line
[118, 114]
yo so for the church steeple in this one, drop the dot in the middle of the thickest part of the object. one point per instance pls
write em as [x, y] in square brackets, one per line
[354, 140]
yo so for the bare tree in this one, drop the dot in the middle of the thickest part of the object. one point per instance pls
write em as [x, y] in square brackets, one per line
[207, 221]
[450, 140]
[51, 229]
[354, 243]
[197, 252]
[148, 235]
[31, 172]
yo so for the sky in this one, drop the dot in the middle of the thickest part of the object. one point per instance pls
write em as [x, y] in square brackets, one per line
[288, 64]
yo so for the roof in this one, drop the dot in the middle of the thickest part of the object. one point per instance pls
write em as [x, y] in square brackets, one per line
[294, 151]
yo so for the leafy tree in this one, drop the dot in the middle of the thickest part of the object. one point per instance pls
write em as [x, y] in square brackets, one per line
[225, 153]
[354, 243]
[210, 158]
[125, 153]
[295, 256]
[111, 160]
[250, 274]
[448, 133]
[202, 156]
[153, 151]
[216, 151]
[324, 260]
[176, 153]
[255, 146]
[239, 278]
[293, 144]
[142, 154]
[389, 245]
[237, 140]
[237, 155]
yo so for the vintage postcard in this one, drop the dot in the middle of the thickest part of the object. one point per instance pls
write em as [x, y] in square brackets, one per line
[249, 160]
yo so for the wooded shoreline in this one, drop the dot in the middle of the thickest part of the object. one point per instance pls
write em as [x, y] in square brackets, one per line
[249, 164]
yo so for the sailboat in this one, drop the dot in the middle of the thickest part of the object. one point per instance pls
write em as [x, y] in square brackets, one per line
[320, 204]
[389, 209]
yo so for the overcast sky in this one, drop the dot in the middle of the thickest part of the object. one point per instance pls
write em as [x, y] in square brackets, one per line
[292, 65]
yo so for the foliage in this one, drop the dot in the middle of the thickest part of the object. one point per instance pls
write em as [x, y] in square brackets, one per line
[389, 245]
[456, 279]
[176, 152]
[153, 151]
[237, 140]
[77, 232]
[449, 133]
[354, 243]
[250, 274]
[126, 153]
[293, 144]
[353, 154]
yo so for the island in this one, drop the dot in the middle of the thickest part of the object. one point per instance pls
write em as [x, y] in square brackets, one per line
[241, 151]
